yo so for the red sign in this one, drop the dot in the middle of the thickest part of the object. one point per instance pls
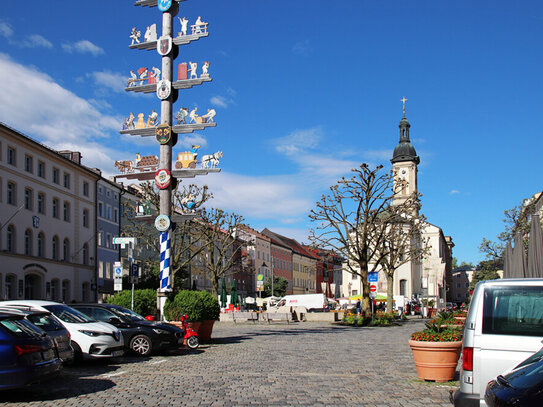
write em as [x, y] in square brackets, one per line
[373, 288]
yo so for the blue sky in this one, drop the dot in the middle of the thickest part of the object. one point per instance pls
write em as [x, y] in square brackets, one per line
[304, 91]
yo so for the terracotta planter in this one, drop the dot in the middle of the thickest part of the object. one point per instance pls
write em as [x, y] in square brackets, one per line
[203, 329]
[432, 312]
[436, 360]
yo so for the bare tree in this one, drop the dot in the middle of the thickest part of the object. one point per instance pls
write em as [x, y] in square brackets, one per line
[220, 250]
[346, 221]
[183, 246]
[401, 229]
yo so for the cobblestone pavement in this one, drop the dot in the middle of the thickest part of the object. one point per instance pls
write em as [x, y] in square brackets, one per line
[309, 364]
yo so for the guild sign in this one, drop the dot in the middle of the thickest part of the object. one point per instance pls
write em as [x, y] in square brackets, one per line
[162, 223]
[164, 45]
[164, 5]
[162, 179]
[163, 133]
[163, 89]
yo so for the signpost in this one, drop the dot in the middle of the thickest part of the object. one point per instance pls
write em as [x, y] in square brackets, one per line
[118, 276]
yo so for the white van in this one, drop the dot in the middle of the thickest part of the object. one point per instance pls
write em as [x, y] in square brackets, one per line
[311, 302]
[504, 326]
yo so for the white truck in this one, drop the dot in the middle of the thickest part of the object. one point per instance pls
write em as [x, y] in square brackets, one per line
[311, 302]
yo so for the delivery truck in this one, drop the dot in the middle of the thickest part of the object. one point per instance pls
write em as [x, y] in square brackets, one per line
[311, 302]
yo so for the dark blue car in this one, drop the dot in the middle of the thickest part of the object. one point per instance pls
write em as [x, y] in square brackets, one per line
[521, 387]
[27, 354]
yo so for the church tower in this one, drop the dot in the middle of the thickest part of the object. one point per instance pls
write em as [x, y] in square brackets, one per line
[404, 163]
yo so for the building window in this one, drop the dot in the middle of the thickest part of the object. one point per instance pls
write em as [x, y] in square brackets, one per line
[403, 287]
[100, 190]
[12, 193]
[11, 156]
[56, 176]
[85, 253]
[28, 199]
[116, 196]
[66, 212]
[66, 250]
[66, 180]
[41, 169]
[85, 218]
[85, 188]
[100, 209]
[54, 248]
[101, 272]
[108, 240]
[108, 193]
[108, 212]
[29, 167]
[100, 238]
[116, 215]
[28, 242]
[41, 244]
[41, 203]
[10, 239]
[55, 208]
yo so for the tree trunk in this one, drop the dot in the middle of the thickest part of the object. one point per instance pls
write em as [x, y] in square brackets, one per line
[215, 287]
[390, 292]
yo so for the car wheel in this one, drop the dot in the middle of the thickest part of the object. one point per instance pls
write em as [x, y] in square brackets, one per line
[141, 344]
[78, 354]
[193, 342]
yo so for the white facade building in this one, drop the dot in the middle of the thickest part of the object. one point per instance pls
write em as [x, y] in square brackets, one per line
[47, 222]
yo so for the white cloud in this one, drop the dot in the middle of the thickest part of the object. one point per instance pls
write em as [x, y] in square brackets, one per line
[302, 47]
[44, 110]
[83, 46]
[5, 30]
[454, 192]
[221, 101]
[187, 141]
[298, 140]
[110, 80]
[36, 40]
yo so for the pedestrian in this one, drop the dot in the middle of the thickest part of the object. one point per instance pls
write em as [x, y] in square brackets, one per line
[358, 309]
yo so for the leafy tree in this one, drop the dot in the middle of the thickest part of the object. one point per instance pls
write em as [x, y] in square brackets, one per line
[486, 270]
[465, 264]
[454, 263]
[515, 220]
[348, 221]
[280, 285]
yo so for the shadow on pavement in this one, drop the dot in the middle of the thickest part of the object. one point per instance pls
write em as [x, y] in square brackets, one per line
[55, 389]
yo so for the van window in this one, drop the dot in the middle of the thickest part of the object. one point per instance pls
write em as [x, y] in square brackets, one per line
[514, 310]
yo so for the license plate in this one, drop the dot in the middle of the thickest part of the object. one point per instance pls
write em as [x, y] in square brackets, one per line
[116, 353]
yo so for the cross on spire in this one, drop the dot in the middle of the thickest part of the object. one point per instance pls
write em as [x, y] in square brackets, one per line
[403, 100]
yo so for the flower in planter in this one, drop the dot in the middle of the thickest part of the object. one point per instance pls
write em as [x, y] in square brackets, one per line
[437, 331]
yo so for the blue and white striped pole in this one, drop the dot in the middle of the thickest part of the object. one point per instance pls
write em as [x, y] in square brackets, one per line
[165, 271]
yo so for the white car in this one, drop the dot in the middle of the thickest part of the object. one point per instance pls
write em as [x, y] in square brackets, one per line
[90, 339]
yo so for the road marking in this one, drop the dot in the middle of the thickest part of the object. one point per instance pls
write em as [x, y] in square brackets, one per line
[114, 374]
[156, 362]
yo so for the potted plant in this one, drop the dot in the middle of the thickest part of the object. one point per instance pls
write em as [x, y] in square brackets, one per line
[201, 307]
[436, 350]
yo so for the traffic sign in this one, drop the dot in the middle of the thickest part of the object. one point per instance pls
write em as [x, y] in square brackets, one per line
[124, 240]
[260, 283]
[373, 295]
[259, 277]
[373, 288]
[373, 277]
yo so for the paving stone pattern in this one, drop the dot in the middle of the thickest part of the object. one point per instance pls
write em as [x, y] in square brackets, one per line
[302, 364]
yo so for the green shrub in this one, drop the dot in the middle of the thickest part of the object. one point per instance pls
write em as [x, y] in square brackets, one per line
[384, 318]
[144, 301]
[355, 320]
[198, 305]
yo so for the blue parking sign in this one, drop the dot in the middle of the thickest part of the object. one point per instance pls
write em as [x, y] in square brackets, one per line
[373, 277]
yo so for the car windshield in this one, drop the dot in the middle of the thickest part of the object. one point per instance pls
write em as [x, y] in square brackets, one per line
[526, 377]
[21, 328]
[127, 314]
[45, 322]
[68, 314]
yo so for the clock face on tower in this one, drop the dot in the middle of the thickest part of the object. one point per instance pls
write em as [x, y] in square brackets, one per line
[402, 174]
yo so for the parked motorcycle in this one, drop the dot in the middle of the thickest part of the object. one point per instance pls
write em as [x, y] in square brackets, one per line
[191, 337]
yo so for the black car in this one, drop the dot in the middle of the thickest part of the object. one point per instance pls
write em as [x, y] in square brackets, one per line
[140, 335]
[521, 387]
[45, 321]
